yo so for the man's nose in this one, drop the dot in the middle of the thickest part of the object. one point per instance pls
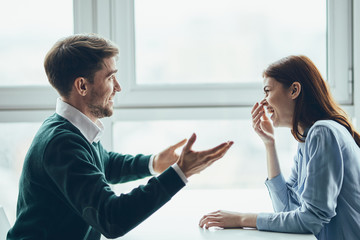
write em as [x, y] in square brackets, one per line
[117, 87]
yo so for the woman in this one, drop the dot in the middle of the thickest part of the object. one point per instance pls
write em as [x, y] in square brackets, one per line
[322, 195]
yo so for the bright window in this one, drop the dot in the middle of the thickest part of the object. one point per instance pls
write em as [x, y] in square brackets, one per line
[28, 30]
[212, 53]
[228, 41]
[244, 166]
[15, 140]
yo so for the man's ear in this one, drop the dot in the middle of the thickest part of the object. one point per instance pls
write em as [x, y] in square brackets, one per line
[81, 86]
[295, 89]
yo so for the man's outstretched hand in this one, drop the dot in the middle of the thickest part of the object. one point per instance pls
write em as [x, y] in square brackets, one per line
[192, 162]
[167, 157]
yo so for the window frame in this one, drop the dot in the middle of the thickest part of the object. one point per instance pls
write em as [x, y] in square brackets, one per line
[340, 50]
[356, 57]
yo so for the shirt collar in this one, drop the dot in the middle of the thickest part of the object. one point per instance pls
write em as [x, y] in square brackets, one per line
[92, 131]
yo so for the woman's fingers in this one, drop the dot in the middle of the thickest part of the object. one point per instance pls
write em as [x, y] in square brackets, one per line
[212, 214]
[210, 220]
[265, 118]
[258, 110]
[213, 224]
[255, 111]
[257, 125]
[254, 107]
[258, 117]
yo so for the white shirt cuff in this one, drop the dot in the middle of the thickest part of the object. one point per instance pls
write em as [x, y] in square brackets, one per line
[151, 166]
[179, 172]
[174, 166]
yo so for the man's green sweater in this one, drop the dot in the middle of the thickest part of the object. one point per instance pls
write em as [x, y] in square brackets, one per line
[64, 188]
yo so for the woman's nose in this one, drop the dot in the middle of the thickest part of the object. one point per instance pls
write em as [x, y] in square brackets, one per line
[264, 102]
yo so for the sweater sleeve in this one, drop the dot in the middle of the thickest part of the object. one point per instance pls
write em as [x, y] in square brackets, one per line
[121, 168]
[69, 162]
[318, 201]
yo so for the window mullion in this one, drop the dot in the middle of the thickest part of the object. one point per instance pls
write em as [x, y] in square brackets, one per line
[339, 19]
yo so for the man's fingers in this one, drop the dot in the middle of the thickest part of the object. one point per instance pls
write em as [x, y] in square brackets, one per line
[217, 155]
[211, 157]
[190, 143]
[179, 144]
[219, 148]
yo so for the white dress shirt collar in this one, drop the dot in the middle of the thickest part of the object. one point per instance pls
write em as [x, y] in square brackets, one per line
[92, 131]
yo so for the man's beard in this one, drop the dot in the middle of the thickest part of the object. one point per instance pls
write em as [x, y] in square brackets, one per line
[100, 111]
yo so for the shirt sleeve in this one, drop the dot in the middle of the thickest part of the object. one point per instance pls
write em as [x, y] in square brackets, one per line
[83, 187]
[175, 166]
[282, 194]
[322, 184]
[151, 165]
[181, 174]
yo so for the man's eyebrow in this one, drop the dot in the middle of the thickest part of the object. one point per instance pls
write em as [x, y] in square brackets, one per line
[111, 73]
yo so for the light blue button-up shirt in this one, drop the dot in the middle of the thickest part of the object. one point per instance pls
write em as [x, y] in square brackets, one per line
[322, 194]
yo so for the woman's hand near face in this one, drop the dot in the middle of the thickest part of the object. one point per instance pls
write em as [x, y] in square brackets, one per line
[264, 128]
[227, 219]
[262, 124]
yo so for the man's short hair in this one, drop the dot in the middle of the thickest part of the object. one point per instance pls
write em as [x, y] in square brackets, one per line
[79, 55]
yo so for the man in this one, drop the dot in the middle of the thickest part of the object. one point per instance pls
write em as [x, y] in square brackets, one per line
[64, 187]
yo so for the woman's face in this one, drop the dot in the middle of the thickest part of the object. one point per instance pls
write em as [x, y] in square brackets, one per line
[279, 102]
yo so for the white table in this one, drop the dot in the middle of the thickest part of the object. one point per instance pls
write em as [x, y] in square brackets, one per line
[178, 219]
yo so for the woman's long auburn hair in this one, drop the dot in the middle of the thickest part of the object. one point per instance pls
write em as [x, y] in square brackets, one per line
[315, 101]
